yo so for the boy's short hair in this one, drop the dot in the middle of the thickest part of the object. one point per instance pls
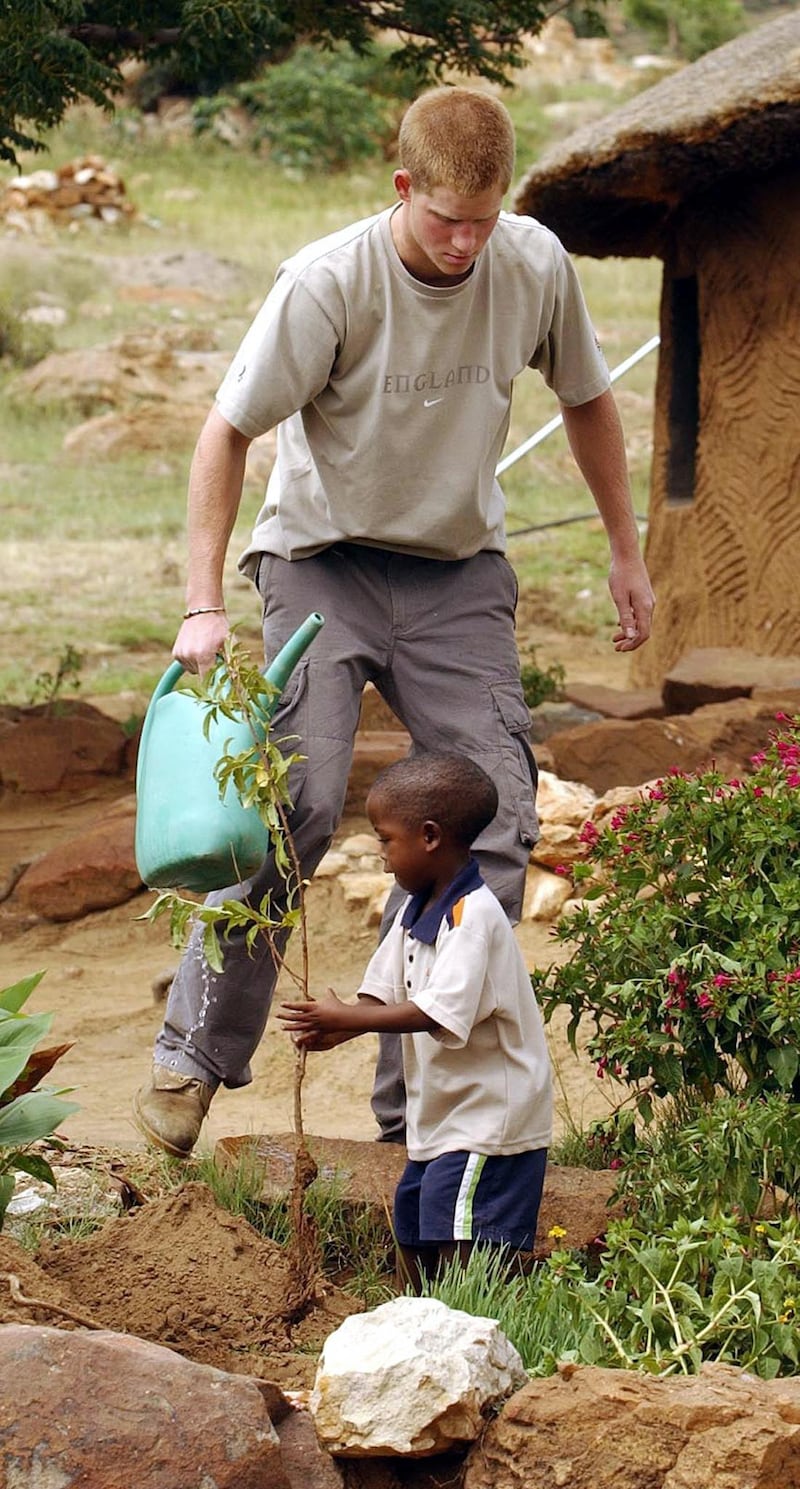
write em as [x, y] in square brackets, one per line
[458, 138]
[444, 788]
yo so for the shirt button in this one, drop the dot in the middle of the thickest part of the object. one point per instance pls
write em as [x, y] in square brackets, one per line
[408, 984]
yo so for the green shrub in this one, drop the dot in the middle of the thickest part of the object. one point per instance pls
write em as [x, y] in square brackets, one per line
[687, 28]
[540, 684]
[688, 961]
[731, 1157]
[662, 1301]
[21, 343]
[320, 110]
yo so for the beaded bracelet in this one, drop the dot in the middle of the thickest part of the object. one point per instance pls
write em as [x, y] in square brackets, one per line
[204, 610]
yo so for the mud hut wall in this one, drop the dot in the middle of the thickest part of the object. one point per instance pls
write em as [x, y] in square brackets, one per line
[725, 553]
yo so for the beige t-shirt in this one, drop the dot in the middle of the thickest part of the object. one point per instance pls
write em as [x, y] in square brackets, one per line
[483, 1083]
[392, 397]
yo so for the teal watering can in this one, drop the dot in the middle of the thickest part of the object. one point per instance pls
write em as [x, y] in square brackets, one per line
[187, 835]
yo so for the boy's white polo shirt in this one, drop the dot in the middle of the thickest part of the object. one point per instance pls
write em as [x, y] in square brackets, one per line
[482, 1083]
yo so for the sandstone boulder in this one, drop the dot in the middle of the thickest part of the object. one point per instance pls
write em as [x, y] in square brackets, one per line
[411, 1378]
[589, 1428]
[545, 894]
[615, 752]
[563, 802]
[113, 1411]
[92, 871]
[54, 747]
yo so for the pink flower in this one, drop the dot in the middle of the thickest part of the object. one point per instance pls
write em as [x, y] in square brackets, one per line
[793, 778]
[758, 758]
[562, 869]
[722, 979]
[758, 790]
[588, 834]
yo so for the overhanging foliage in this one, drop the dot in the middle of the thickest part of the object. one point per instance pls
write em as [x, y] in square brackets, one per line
[56, 52]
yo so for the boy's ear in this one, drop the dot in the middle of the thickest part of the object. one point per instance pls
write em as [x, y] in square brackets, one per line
[431, 835]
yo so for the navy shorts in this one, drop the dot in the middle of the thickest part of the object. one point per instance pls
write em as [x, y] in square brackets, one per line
[470, 1197]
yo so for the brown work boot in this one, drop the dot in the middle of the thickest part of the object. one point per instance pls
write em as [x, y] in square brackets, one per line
[169, 1111]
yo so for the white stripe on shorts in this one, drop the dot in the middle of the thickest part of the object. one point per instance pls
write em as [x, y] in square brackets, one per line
[462, 1214]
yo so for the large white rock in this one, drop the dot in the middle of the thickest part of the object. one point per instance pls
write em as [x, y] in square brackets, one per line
[411, 1378]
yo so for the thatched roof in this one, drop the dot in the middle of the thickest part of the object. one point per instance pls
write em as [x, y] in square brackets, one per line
[611, 186]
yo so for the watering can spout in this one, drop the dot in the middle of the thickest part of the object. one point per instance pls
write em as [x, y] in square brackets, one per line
[187, 835]
[282, 666]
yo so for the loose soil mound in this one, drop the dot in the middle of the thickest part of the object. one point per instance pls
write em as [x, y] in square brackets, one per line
[186, 1274]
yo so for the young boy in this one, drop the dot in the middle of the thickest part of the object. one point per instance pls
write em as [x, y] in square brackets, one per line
[450, 978]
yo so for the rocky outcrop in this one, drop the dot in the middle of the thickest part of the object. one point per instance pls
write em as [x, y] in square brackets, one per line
[614, 752]
[589, 1428]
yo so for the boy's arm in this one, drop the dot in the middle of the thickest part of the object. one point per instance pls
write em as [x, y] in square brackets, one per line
[329, 1021]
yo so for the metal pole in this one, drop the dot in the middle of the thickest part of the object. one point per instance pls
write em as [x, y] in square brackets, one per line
[553, 424]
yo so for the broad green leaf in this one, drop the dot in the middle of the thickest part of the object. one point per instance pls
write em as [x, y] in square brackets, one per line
[38, 1066]
[36, 1166]
[18, 1039]
[784, 1061]
[12, 998]
[31, 1117]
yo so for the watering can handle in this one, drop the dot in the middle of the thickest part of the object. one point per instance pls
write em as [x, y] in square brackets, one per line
[279, 670]
[278, 673]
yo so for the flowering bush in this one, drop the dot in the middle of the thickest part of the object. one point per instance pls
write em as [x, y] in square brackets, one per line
[687, 947]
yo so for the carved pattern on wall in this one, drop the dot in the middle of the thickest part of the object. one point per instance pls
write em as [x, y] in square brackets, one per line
[726, 568]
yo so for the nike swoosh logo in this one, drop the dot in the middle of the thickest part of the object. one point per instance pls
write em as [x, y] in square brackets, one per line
[429, 402]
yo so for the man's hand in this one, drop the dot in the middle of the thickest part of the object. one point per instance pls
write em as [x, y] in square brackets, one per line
[200, 641]
[633, 596]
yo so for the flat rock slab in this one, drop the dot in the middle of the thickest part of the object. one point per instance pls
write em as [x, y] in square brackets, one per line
[713, 674]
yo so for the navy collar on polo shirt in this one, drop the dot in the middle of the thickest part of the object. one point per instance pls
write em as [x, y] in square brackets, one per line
[425, 926]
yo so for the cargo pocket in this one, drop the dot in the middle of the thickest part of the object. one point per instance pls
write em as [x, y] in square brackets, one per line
[290, 719]
[514, 724]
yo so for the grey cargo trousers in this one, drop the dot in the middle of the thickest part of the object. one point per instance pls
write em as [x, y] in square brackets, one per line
[436, 638]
